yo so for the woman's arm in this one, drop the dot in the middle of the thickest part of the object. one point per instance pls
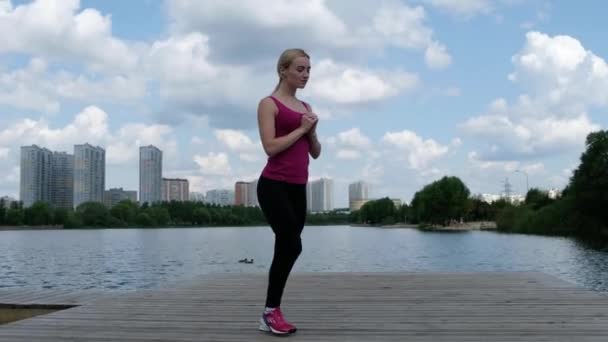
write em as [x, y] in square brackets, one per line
[272, 145]
[315, 145]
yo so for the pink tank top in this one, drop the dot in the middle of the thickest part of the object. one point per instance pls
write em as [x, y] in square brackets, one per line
[291, 164]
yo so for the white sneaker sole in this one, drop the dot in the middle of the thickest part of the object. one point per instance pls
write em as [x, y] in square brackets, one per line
[264, 327]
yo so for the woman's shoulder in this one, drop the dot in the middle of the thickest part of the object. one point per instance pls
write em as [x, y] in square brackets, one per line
[268, 102]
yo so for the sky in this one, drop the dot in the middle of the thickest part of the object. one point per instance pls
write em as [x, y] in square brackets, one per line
[407, 91]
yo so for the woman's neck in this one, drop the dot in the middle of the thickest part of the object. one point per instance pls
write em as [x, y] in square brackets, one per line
[286, 91]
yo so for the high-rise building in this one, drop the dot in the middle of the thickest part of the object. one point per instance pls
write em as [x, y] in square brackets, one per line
[197, 197]
[113, 196]
[175, 189]
[36, 171]
[246, 194]
[320, 195]
[220, 197]
[150, 174]
[62, 180]
[252, 194]
[7, 200]
[89, 174]
[240, 193]
[358, 194]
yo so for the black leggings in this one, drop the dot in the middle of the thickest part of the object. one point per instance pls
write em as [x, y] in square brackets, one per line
[284, 205]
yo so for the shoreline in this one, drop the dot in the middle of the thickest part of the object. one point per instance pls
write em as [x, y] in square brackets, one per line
[467, 226]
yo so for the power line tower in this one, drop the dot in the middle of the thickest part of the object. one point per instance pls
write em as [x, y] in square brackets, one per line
[507, 189]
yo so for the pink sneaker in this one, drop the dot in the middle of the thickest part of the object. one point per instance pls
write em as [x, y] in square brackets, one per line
[274, 322]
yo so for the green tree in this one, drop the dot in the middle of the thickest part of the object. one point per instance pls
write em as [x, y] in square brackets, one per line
[537, 199]
[14, 216]
[125, 211]
[589, 183]
[40, 213]
[441, 201]
[378, 211]
[93, 214]
[60, 216]
[3, 210]
[202, 216]
[144, 220]
[73, 220]
[159, 215]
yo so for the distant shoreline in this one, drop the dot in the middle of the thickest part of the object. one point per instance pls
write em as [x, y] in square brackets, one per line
[475, 225]
[30, 227]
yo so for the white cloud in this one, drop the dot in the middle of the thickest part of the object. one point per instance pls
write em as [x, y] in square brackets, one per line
[536, 168]
[4, 152]
[226, 19]
[419, 152]
[350, 144]
[348, 154]
[235, 140]
[507, 166]
[123, 147]
[529, 136]
[456, 142]
[213, 163]
[34, 87]
[197, 140]
[404, 27]
[338, 29]
[190, 83]
[349, 85]
[59, 30]
[239, 142]
[560, 74]
[463, 8]
[562, 81]
[354, 138]
[436, 56]
[90, 125]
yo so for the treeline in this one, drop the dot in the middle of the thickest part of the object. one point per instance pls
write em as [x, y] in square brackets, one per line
[128, 214]
[581, 210]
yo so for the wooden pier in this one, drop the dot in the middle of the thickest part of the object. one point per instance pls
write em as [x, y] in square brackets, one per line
[430, 307]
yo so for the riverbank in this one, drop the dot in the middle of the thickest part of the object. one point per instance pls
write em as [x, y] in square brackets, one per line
[466, 226]
[30, 227]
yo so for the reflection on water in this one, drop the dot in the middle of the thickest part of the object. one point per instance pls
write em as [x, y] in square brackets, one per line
[127, 259]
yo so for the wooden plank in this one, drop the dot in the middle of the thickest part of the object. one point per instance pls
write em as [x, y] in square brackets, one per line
[514, 306]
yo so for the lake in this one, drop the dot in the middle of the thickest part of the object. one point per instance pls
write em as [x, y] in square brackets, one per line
[129, 259]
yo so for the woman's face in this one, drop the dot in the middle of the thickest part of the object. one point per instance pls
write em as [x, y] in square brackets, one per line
[298, 72]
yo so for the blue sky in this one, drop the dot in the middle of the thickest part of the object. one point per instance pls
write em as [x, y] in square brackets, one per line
[407, 91]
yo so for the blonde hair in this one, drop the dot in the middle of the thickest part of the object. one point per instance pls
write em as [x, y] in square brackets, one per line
[285, 60]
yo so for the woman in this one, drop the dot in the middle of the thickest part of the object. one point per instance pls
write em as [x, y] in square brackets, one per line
[288, 133]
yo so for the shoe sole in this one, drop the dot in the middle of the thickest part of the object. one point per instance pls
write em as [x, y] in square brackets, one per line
[266, 328]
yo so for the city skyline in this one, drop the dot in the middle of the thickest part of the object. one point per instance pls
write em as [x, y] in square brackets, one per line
[407, 91]
[49, 176]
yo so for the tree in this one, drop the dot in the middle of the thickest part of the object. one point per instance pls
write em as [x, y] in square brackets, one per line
[159, 215]
[125, 211]
[378, 211]
[60, 216]
[3, 210]
[201, 216]
[537, 199]
[441, 201]
[40, 213]
[93, 214]
[589, 183]
[14, 216]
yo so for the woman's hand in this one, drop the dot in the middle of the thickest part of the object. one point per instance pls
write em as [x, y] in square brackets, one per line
[308, 122]
[315, 118]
